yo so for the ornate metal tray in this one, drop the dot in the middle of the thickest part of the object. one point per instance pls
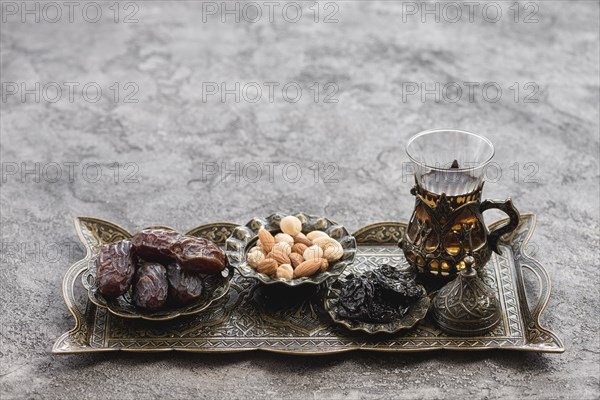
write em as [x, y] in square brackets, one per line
[269, 318]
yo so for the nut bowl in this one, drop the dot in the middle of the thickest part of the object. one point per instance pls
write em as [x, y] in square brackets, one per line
[94, 233]
[245, 237]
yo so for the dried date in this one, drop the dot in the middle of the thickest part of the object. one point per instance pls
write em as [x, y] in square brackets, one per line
[197, 255]
[183, 287]
[114, 269]
[150, 289]
[156, 244]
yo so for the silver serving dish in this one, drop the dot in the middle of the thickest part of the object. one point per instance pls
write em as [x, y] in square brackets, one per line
[245, 237]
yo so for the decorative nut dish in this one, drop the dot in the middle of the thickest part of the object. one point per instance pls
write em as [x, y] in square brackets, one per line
[156, 274]
[291, 250]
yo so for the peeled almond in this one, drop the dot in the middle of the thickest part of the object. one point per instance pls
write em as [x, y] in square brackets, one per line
[313, 252]
[315, 234]
[291, 225]
[333, 251]
[285, 271]
[257, 248]
[284, 238]
[282, 247]
[254, 257]
[323, 241]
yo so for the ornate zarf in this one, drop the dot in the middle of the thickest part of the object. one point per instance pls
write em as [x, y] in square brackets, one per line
[444, 229]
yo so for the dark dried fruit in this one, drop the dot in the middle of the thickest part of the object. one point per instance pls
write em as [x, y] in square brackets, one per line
[114, 269]
[379, 296]
[150, 288]
[195, 255]
[199, 256]
[156, 244]
[183, 287]
[396, 283]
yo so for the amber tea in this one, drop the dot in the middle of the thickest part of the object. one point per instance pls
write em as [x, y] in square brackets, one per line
[447, 223]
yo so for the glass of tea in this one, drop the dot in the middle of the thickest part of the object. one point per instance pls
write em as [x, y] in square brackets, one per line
[447, 222]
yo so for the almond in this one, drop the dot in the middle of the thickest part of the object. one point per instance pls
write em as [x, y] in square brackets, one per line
[291, 225]
[315, 234]
[299, 248]
[266, 240]
[296, 259]
[279, 256]
[307, 268]
[282, 247]
[285, 238]
[285, 271]
[301, 238]
[323, 241]
[313, 252]
[324, 265]
[333, 251]
[267, 266]
[255, 256]
[257, 248]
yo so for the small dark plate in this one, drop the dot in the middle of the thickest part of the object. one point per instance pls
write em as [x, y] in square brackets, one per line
[417, 312]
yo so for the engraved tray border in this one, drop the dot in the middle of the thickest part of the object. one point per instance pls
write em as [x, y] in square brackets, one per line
[520, 330]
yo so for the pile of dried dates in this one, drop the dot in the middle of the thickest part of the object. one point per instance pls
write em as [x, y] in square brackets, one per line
[378, 296]
[160, 266]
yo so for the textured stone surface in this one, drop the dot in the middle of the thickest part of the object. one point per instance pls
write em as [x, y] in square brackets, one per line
[370, 54]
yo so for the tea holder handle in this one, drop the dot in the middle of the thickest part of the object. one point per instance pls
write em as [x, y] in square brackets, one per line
[513, 215]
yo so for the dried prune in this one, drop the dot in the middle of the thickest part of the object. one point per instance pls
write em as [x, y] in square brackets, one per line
[155, 244]
[380, 296]
[198, 255]
[183, 287]
[396, 283]
[150, 288]
[114, 269]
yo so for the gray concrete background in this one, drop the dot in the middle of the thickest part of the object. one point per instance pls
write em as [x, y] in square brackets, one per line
[372, 53]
